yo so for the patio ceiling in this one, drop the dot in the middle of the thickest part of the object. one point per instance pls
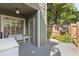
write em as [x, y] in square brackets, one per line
[10, 8]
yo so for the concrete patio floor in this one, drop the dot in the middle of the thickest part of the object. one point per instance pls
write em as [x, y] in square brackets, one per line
[68, 49]
[28, 49]
[52, 48]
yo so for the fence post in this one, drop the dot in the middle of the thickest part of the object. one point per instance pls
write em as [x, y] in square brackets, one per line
[77, 33]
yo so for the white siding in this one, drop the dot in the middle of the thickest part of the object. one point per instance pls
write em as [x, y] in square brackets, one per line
[43, 23]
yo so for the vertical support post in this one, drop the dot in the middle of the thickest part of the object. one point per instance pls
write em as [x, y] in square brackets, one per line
[77, 29]
[38, 21]
[24, 26]
[46, 22]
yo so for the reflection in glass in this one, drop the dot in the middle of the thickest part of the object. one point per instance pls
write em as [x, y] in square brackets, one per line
[12, 26]
[19, 26]
[6, 27]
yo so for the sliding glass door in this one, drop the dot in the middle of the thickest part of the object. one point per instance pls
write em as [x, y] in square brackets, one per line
[31, 31]
[12, 26]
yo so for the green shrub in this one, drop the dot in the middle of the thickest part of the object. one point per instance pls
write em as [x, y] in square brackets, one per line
[48, 35]
[61, 38]
[54, 36]
[64, 38]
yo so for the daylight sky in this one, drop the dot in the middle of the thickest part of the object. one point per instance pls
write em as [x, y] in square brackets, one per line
[77, 6]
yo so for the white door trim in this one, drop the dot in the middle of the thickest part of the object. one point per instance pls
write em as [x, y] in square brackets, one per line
[29, 30]
[24, 27]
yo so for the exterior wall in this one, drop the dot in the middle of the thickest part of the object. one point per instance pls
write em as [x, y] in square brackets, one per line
[43, 23]
[40, 23]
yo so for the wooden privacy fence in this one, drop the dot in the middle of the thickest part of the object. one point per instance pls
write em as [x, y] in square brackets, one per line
[52, 29]
[73, 30]
[74, 33]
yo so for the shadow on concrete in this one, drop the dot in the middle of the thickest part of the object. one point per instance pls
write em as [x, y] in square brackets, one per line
[46, 50]
[55, 52]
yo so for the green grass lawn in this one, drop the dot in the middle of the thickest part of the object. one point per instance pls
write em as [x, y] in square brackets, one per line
[61, 38]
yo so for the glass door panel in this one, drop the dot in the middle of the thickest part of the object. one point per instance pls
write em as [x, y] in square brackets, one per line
[31, 31]
[6, 27]
[12, 26]
[20, 26]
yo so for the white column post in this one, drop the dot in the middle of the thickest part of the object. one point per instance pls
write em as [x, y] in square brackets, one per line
[46, 22]
[38, 22]
[24, 26]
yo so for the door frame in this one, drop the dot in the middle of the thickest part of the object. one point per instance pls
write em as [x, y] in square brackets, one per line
[33, 30]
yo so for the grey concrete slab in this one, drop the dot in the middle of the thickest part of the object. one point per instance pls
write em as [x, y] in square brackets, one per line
[51, 49]
[68, 49]
[31, 50]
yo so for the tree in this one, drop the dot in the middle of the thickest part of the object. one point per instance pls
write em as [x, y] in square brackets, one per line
[61, 13]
